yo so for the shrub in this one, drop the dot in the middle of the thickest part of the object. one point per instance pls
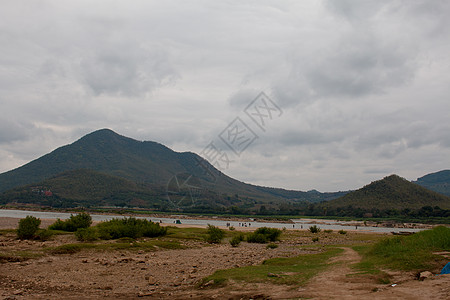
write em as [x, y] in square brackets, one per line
[271, 246]
[232, 228]
[342, 231]
[328, 231]
[315, 239]
[272, 234]
[236, 240]
[28, 227]
[215, 234]
[44, 234]
[129, 227]
[86, 234]
[257, 238]
[314, 229]
[82, 220]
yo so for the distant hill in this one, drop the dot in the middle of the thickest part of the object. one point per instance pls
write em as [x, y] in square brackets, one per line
[104, 167]
[438, 182]
[392, 192]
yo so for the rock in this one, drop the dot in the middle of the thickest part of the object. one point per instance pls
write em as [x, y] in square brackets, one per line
[151, 280]
[273, 275]
[425, 275]
[211, 282]
[84, 261]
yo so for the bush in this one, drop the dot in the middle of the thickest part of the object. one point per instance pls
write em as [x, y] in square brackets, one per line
[342, 231]
[272, 246]
[315, 239]
[232, 228]
[215, 234]
[328, 231]
[44, 234]
[129, 227]
[257, 238]
[82, 220]
[235, 241]
[272, 234]
[28, 227]
[86, 234]
[314, 229]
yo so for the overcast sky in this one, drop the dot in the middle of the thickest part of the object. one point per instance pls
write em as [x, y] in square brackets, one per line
[359, 89]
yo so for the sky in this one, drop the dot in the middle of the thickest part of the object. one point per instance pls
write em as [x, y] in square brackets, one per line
[352, 91]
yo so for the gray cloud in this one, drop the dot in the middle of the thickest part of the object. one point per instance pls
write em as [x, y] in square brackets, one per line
[363, 85]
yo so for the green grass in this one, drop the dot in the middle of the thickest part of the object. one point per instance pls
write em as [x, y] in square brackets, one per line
[17, 256]
[414, 252]
[292, 271]
[152, 245]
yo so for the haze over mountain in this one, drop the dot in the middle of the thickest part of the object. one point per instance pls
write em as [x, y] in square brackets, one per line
[147, 168]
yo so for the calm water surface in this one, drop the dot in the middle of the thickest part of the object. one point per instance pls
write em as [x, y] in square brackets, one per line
[297, 223]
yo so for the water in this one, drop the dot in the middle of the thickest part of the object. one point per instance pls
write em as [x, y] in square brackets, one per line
[297, 223]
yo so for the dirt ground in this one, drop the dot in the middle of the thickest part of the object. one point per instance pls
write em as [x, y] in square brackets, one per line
[175, 274]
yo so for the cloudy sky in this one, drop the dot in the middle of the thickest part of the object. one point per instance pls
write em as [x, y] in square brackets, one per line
[362, 87]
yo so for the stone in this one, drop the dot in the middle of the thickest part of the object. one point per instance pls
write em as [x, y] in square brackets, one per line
[425, 275]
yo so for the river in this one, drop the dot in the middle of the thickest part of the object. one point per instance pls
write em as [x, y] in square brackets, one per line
[297, 223]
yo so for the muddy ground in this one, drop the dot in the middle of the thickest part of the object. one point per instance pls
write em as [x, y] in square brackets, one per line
[176, 274]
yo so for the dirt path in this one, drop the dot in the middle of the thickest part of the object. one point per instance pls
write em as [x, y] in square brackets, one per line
[334, 283]
[341, 282]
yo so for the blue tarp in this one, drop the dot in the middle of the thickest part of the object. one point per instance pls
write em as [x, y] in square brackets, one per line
[446, 269]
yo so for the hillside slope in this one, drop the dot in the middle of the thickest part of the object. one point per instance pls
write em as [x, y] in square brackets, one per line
[392, 192]
[438, 182]
[149, 165]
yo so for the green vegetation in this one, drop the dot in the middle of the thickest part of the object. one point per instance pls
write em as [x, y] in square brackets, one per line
[149, 246]
[129, 227]
[272, 246]
[438, 182]
[236, 240]
[315, 239]
[215, 234]
[82, 220]
[314, 229]
[263, 235]
[342, 231]
[28, 227]
[86, 234]
[414, 252]
[293, 271]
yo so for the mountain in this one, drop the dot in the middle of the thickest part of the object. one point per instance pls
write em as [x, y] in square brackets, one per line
[392, 192]
[438, 182]
[146, 172]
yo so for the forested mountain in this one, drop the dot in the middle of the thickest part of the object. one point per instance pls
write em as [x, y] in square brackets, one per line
[438, 182]
[106, 168]
[392, 192]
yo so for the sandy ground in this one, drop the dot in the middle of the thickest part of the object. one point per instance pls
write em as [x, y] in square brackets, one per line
[175, 274]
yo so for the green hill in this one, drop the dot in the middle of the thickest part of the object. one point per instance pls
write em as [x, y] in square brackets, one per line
[438, 182]
[392, 192]
[105, 168]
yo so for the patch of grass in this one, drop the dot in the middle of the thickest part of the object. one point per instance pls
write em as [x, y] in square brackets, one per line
[198, 234]
[271, 246]
[291, 271]
[328, 231]
[152, 245]
[18, 256]
[342, 231]
[414, 252]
